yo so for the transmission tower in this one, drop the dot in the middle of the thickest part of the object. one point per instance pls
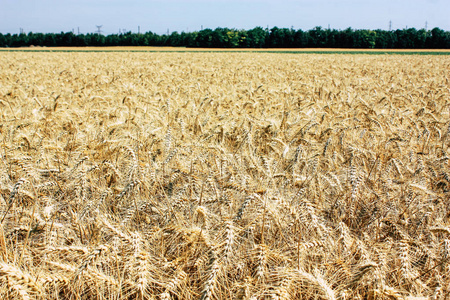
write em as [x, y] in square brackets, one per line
[99, 29]
[390, 25]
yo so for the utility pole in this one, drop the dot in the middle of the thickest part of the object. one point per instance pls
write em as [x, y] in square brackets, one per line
[139, 29]
[390, 25]
[99, 29]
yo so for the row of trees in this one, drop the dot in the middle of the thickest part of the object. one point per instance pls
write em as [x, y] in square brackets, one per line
[253, 38]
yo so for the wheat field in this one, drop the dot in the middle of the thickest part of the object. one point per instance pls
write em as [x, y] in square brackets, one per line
[224, 176]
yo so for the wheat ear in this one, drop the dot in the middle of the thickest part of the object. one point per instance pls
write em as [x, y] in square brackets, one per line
[19, 281]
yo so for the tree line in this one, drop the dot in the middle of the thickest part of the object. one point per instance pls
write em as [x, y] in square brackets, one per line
[258, 37]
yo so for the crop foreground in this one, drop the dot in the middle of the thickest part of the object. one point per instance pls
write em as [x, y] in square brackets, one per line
[224, 176]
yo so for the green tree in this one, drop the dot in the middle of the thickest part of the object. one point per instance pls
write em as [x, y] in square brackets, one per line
[112, 40]
[36, 39]
[97, 39]
[174, 40]
[438, 39]
[2, 40]
[67, 39]
[233, 38]
[300, 39]
[280, 38]
[365, 39]
[204, 38]
[256, 38]
[189, 39]
[317, 38]
[50, 40]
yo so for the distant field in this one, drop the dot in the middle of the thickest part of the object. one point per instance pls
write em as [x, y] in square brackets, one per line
[265, 50]
[238, 175]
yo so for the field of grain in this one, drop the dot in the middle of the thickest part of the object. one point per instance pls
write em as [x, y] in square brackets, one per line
[150, 49]
[224, 176]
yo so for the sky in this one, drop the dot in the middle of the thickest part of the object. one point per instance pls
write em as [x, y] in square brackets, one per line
[161, 16]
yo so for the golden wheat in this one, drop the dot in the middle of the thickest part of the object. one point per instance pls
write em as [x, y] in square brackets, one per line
[224, 176]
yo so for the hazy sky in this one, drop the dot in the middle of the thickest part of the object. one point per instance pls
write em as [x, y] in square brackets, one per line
[184, 15]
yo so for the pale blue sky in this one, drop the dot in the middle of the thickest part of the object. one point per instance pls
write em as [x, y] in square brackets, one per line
[183, 15]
